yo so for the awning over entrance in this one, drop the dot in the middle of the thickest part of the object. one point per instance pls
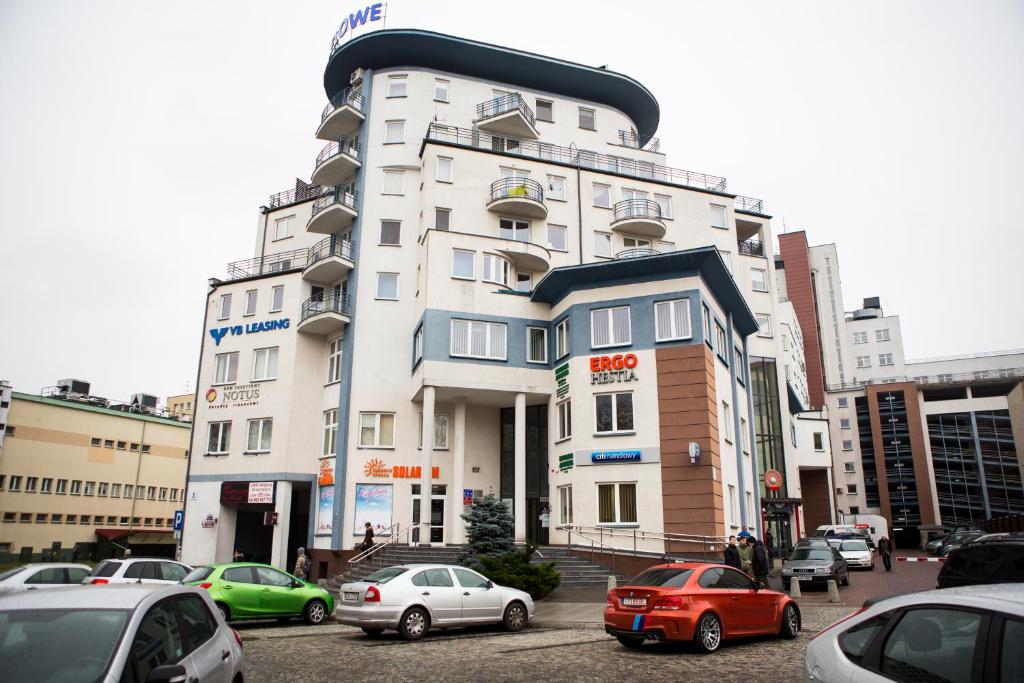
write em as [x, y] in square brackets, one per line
[778, 502]
[136, 537]
[113, 534]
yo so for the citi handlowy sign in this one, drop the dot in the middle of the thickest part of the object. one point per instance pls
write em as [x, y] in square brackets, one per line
[357, 19]
[219, 333]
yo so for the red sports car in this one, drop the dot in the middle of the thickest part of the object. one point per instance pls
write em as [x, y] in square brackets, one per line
[697, 601]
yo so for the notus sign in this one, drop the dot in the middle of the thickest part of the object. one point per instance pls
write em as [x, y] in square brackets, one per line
[618, 368]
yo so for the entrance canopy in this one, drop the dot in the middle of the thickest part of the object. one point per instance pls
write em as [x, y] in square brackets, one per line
[137, 537]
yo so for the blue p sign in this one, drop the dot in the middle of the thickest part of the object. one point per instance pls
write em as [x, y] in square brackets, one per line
[179, 520]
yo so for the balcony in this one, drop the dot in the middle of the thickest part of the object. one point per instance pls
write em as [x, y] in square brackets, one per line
[638, 217]
[638, 252]
[628, 138]
[751, 248]
[329, 260]
[300, 193]
[272, 263]
[333, 211]
[336, 163]
[517, 197]
[325, 314]
[342, 116]
[749, 204]
[507, 115]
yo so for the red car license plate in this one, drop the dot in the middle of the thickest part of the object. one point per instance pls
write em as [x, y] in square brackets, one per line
[634, 602]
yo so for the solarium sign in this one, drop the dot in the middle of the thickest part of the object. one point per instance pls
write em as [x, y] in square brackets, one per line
[357, 19]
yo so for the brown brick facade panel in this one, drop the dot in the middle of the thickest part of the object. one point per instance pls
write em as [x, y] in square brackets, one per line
[800, 291]
[816, 495]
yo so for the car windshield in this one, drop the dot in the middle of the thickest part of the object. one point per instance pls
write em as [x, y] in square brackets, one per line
[10, 572]
[85, 638]
[197, 574]
[854, 545]
[105, 568]
[386, 574]
[811, 554]
[668, 578]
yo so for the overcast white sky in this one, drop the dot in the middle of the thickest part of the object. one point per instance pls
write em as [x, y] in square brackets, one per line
[138, 139]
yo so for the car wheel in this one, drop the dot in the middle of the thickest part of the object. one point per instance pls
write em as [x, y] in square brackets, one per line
[632, 642]
[373, 632]
[515, 617]
[315, 612]
[225, 613]
[414, 624]
[709, 633]
[790, 622]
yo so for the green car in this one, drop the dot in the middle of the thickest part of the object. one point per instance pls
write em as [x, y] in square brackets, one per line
[245, 590]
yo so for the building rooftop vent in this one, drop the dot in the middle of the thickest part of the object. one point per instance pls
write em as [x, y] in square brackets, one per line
[73, 387]
[144, 403]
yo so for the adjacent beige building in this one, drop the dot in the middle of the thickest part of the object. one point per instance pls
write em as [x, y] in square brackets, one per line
[180, 407]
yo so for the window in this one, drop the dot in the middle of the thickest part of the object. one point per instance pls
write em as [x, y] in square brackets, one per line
[602, 244]
[334, 361]
[666, 247]
[9, 517]
[377, 430]
[848, 446]
[417, 345]
[158, 640]
[545, 111]
[556, 187]
[764, 324]
[706, 320]
[123, 445]
[564, 419]
[441, 88]
[264, 364]
[129, 490]
[390, 233]
[851, 489]
[885, 359]
[283, 227]
[76, 487]
[46, 487]
[444, 169]
[849, 468]
[330, 432]
[133, 447]
[477, 339]
[174, 497]
[95, 442]
[387, 286]
[636, 243]
[844, 402]
[15, 483]
[726, 422]
[562, 338]
[225, 372]
[614, 412]
[442, 219]
[440, 431]
[25, 518]
[101, 488]
[1011, 667]
[90, 488]
[587, 119]
[882, 335]
[150, 494]
[602, 196]
[721, 345]
[819, 441]
[219, 440]
[31, 483]
[616, 503]
[758, 280]
[557, 240]
[225, 307]
[737, 357]
[854, 509]
[565, 504]
[108, 443]
[115, 490]
[394, 182]
[514, 230]
[863, 361]
[145, 448]
[260, 431]
[610, 327]
[524, 282]
[62, 486]
[844, 423]
[497, 270]
[718, 216]
[665, 202]
[397, 86]
[41, 517]
[915, 649]
[57, 518]
[734, 509]
[394, 132]
[860, 337]
[739, 437]
[536, 345]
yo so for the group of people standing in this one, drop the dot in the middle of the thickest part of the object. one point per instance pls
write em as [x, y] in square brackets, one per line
[749, 555]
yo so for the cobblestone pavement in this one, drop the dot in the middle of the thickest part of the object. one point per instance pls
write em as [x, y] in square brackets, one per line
[905, 577]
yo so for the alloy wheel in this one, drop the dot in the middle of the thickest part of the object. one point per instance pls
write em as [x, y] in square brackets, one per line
[710, 632]
[793, 620]
[317, 612]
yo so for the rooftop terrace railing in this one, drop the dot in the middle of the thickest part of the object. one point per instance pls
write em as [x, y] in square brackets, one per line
[751, 248]
[628, 138]
[301, 192]
[986, 375]
[272, 263]
[749, 204]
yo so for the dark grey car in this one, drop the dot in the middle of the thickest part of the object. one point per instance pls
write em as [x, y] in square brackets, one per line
[815, 564]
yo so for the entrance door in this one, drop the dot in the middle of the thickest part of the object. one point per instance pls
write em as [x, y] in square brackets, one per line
[437, 496]
[537, 504]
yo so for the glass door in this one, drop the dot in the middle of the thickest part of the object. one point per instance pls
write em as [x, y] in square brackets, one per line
[437, 497]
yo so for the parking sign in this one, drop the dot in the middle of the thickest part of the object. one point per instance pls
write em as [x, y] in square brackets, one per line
[179, 519]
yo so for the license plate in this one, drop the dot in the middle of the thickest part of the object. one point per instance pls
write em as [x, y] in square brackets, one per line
[634, 602]
[351, 597]
[802, 578]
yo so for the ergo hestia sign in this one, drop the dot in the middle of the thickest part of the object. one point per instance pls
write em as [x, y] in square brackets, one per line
[219, 333]
[617, 368]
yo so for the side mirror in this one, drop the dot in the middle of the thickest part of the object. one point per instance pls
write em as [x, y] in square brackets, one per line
[490, 584]
[296, 583]
[168, 673]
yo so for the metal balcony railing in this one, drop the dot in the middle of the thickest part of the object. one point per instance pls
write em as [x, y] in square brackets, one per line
[349, 146]
[351, 97]
[273, 263]
[504, 104]
[573, 156]
[345, 195]
[751, 248]
[330, 246]
[628, 138]
[637, 208]
[637, 252]
[517, 188]
[328, 302]
[749, 204]
[301, 192]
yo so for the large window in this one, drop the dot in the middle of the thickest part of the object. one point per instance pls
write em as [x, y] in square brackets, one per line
[219, 440]
[718, 216]
[616, 503]
[556, 187]
[394, 132]
[283, 227]
[764, 324]
[587, 119]
[536, 345]
[260, 431]
[440, 431]
[387, 286]
[545, 111]
[497, 270]
[462, 264]
[860, 337]
[564, 419]
[602, 195]
[557, 239]
[226, 368]
[377, 430]
[882, 335]
[565, 504]
[330, 440]
[562, 338]
[397, 86]
[264, 364]
[602, 244]
[478, 339]
[514, 230]
[334, 361]
[613, 412]
[610, 327]
[390, 233]
[758, 280]
[444, 169]
[250, 301]
[885, 359]
[665, 203]
[863, 361]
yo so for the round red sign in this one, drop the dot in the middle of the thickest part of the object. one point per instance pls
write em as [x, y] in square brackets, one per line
[773, 479]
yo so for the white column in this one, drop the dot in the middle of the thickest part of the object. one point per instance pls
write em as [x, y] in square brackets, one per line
[520, 468]
[456, 525]
[283, 508]
[426, 463]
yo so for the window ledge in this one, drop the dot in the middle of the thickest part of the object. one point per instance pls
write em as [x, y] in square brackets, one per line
[563, 440]
[264, 379]
[604, 434]
[216, 454]
[618, 525]
[255, 452]
[377, 448]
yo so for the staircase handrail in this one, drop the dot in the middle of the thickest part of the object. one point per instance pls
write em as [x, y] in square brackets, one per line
[569, 528]
[392, 540]
[709, 543]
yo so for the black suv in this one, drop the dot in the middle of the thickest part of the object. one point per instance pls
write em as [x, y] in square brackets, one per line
[993, 558]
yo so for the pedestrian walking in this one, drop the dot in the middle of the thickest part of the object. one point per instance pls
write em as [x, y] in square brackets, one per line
[302, 565]
[368, 538]
[746, 552]
[769, 542]
[732, 555]
[759, 563]
[885, 550]
[238, 556]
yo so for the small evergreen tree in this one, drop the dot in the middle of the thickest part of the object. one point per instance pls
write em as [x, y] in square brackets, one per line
[489, 526]
[515, 570]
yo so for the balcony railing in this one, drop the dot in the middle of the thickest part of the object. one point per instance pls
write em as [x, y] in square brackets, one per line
[504, 104]
[328, 302]
[331, 246]
[573, 156]
[273, 263]
[749, 204]
[637, 252]
[301, 192]
[994, 376]
[349, 146]
[751, 248]
[345, 195]
[637, 208]
[628, 138]
[349, 96]
[517, 188]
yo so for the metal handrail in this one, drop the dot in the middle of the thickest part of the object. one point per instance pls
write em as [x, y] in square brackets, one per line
[397, 526]
[344, 195]
[271, 263]
[568, 528]
[349, 146]
[328, 302]
[573, 156]
[301, 192]
[330, 246]
[749, 204]
[751, 248]
[517, 188]
[708, 543]
[628, 138]
[504, 104]
[351, 97]
[637, 208]
[637, 252]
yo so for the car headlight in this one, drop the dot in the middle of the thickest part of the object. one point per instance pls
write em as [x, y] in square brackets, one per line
[787, 570]
[823, 570]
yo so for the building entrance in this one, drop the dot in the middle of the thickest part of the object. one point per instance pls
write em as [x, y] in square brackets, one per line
[252, 536]
[537, 505]
[437, 496]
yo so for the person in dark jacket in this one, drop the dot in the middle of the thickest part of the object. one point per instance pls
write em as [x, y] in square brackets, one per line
[732, 554]
[368, 538]
[759, 563]
[885, 550]
[769, 542]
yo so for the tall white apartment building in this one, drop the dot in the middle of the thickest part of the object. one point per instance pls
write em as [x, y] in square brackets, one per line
[494, 284]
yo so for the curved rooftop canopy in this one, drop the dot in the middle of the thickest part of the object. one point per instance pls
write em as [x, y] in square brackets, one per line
[414, 47]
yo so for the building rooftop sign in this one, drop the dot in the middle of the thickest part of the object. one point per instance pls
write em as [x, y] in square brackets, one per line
[356, 20]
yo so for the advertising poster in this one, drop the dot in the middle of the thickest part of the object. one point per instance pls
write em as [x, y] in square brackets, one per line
[373, 505]
[325, 510]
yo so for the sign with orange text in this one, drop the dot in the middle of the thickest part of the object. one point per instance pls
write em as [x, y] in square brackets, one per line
[617, 368]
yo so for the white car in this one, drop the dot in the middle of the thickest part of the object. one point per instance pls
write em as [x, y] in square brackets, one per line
[416, 597]
[137, 570]
[132, 632]
[941, 635]
[855, 551]
[47, 575]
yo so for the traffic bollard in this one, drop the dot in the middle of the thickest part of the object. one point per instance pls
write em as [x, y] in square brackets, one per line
[794, 588]
[833, 591]
[612, 582]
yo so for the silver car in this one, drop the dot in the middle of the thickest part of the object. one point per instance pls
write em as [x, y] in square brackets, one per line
[855, 551]
[970, 633]
[416, 597]
[137, 632]
[46, 575]
[137, 570]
